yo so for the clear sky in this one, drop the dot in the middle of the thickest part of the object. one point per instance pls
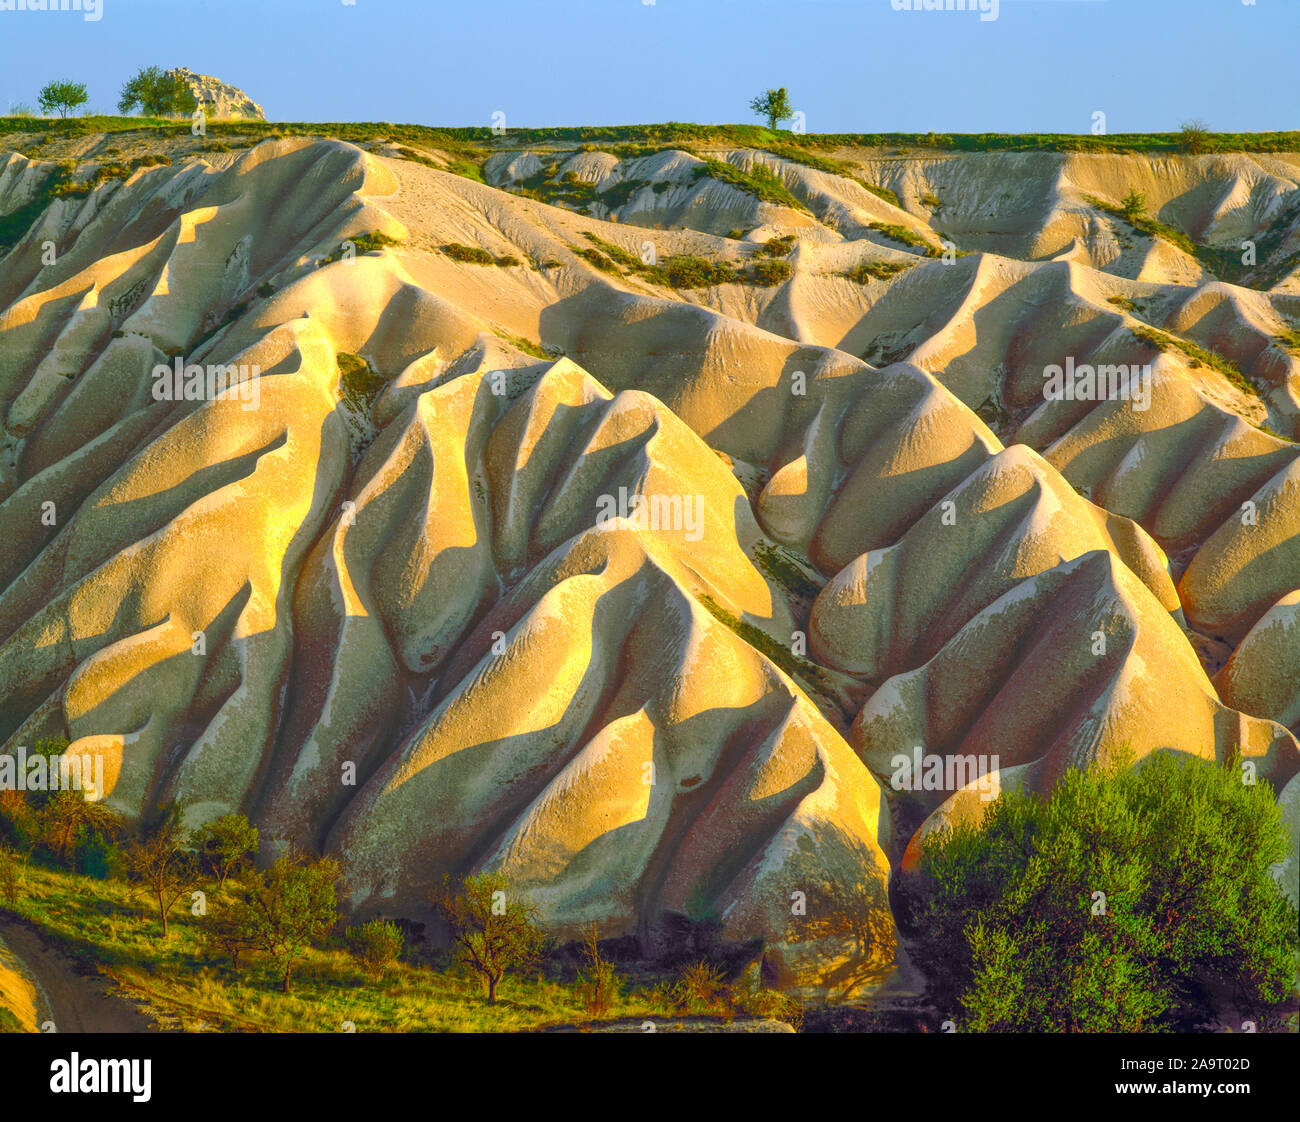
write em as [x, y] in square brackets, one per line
[850, 65]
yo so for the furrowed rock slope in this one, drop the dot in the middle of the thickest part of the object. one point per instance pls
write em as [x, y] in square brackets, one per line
[637, 592]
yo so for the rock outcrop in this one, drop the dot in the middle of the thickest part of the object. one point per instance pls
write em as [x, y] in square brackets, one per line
[218, 100]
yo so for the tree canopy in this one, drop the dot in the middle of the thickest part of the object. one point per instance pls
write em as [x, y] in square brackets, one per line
[156, 94]
[1127, 898]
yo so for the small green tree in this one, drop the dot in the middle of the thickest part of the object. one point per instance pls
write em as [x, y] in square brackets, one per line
[287, 908]
[376, 945]
[227, 931]
[1123, 902]
[69, 813]
[224, 844]
[156, 94]
[1133, 205]
[62, 97]
[775, 105]
[160, 863]
[494, 931]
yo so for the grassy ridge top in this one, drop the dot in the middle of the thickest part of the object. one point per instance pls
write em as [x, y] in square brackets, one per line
[669, 132]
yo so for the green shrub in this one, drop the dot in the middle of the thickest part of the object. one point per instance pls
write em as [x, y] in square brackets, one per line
[1289, 339]
[778, 247]
[766, 273]
[685, 270]
[595, 257]
[880, 192]
[11, 876]
[868, 271]
[1194, 137]
[1122, 902]
[361, 243]
[20, 824]
[95, 856]
[359, 384]
[1133, 204]
[376, 945]
[614, 252]
[468, 254]
[901, 234]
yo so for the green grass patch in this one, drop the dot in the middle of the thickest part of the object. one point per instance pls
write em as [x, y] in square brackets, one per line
[603, 263]
[361, 243]
[880, 192]
[359, 384]
[868, 271]
[1289, 340]
[780, 564]
[613, 252]
[468, 254]
[526, 345]
[907, 237]
[685, 270]
[1197, 355]
[778, 247]
[766, 272]
[109, 926]
[466, 168]
[637, 139]
[761, 183]
[1147, 225]
[810, 676]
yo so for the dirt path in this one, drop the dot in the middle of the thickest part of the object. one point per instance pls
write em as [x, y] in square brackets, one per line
[74, 1001]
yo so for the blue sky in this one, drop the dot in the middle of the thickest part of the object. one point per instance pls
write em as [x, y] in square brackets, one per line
[850, 65]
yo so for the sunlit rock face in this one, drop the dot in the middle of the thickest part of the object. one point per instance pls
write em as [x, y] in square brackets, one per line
[633, 593]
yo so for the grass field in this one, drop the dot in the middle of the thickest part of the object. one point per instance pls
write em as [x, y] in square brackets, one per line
[110, 925]
[670, 132]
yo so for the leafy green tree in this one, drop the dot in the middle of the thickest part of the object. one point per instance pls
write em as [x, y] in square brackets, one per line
[224, 844]
[376, 945]
[1133, 204]
[62, 97]
[156, 94]
[69, 813]
[287, 908]
[494, 930]
[775, 105]
[160, 863]
[1130, 899]
[227, 931]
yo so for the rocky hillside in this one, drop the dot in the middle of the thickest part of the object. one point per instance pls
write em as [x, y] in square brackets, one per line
[619, 521]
